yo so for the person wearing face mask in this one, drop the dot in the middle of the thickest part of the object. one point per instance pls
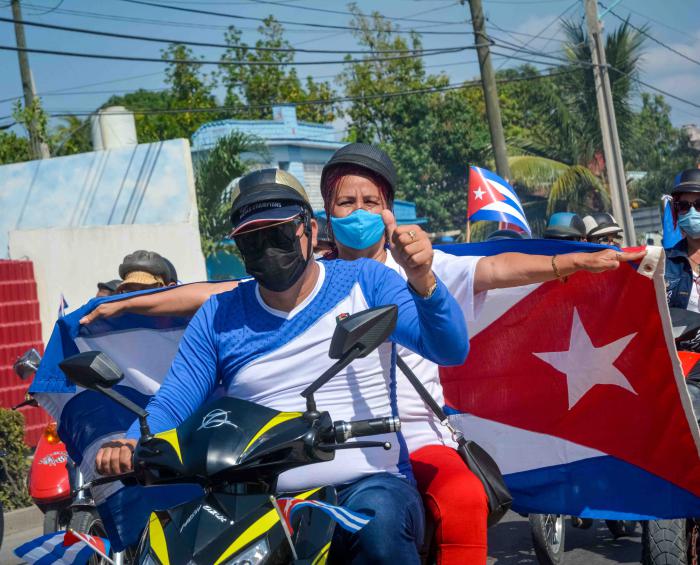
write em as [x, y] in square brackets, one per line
[358, 186]
[268, 339]
[683, 259]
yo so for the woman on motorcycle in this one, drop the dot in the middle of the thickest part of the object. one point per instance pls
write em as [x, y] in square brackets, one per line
[683, 259]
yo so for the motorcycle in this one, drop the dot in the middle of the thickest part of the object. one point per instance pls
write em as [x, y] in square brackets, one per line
[236, 450]
[53, 477]
[677, 542]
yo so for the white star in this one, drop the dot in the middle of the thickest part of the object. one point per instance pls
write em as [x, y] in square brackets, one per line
[585, 365]
[479, 194]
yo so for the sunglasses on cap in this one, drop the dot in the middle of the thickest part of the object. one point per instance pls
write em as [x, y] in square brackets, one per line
[683, 206]
[608, 239]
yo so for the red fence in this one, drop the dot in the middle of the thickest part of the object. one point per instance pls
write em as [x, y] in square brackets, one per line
[20, 329]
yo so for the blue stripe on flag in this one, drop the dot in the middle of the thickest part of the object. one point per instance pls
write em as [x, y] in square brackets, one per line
[568, 489]
[528, 246]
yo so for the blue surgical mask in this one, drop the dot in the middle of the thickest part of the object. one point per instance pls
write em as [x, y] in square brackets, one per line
[359, 230]
[690, 223]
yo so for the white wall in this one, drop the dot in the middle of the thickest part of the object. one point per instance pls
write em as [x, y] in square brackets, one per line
[72, 260]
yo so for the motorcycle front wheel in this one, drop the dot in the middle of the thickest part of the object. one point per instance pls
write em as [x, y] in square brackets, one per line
[548, 534]
[56, 519]
[89, 522]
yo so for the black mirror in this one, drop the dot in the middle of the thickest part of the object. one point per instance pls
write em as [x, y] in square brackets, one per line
[92, 369]
[364, 331]
[27, 364]
[354, 337]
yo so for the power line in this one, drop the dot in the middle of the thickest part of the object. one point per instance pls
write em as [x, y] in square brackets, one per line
[647, 34]
[287, 22]
[321, 102]
[221, 45]
[225, 63]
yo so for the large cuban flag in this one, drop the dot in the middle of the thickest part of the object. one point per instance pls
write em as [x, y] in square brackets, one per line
[576, 390]
[491, 198]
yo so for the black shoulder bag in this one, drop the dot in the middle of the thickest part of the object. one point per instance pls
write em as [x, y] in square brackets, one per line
[479, 462]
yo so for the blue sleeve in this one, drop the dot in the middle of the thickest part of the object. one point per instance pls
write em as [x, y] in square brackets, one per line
[191, 378]
[433, 327]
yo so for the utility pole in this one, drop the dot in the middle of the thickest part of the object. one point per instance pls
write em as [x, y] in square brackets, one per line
[39, 148]
[608, 126]
[488, 82]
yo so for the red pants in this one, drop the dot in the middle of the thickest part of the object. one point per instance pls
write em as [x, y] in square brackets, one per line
[457, 503]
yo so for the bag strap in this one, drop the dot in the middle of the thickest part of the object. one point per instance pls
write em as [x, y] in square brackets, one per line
[429, 400]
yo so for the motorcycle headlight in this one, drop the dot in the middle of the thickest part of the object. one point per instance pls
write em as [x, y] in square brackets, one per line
[254, 555]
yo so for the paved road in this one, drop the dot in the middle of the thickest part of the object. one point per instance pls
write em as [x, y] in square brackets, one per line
[509, 544]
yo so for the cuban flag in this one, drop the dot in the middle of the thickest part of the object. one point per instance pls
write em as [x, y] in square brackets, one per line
[576, 391]
[492, 199]
[345, 518]
[671, 232]
[64, 548]
[143, 347]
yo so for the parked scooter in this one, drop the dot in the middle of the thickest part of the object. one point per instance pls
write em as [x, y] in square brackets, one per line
[236, 450]
[53, 477]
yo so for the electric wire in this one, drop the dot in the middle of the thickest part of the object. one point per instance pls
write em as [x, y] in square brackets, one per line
[100, 33]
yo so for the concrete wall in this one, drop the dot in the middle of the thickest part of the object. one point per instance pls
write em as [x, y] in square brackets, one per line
[72, 260]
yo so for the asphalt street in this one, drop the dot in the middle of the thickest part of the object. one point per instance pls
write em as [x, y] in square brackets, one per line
[509, 544]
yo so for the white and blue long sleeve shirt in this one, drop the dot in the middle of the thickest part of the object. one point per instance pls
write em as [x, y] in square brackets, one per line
[268, 356]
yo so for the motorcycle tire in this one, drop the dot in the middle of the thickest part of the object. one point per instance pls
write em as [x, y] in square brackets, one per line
[89, 522]
[56, 519]
[621, 528]
[548, 535]
[664, 542]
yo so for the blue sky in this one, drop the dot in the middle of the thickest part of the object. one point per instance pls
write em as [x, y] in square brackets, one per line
[85, 86]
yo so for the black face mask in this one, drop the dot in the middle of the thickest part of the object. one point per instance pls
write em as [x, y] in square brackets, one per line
[273, 256]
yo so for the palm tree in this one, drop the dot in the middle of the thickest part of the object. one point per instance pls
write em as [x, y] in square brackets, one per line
[568, 167]
[213, 176]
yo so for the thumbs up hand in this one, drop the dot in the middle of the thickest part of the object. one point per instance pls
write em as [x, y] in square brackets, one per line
[411, 249]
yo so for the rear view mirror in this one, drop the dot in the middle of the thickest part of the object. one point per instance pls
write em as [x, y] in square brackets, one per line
[27, 364]
[364, 331]
[95, 370]
[92, 369]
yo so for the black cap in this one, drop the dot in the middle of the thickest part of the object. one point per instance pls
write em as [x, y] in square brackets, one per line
[565, 225]
[363, 155]
[687, 181]
[111, 286]
[267, 195]
[145, 261]
[506, 234]
[600, 224]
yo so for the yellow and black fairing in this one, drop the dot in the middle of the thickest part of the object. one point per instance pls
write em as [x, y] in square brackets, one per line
[236, 450]
[233, 440]
[221, 528]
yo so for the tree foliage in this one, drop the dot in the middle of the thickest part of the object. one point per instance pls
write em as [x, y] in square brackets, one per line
[213, 176]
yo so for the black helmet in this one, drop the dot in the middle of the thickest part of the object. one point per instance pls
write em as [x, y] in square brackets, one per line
[363, 155]
[268, 195]
[565, 225]
[146, 268]
[600, 224]
[506, 234]
[687, 181]
[172, 273]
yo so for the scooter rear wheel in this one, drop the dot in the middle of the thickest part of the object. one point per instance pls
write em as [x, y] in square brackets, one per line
[548, 531]
[89, 522]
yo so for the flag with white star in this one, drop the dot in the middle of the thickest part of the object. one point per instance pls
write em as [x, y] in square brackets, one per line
[491, 198]
[576, 391]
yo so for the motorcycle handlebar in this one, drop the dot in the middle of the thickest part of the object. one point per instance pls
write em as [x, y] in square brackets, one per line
[360, 428]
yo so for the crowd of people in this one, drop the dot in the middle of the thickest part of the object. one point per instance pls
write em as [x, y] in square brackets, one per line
[262, 339]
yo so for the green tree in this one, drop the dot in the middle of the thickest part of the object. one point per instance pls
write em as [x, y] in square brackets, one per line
[188, 88]
[13, 148]
[431, 137]
[252, 89]
[213, 176]
[71, 135]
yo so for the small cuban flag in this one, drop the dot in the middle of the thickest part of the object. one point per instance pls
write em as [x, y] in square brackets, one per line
[345, 518]
[62, 306]
[672, 233]
[492, 199]
[64, 548]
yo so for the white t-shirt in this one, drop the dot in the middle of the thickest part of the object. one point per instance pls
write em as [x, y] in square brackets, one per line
[418, 424]
[694, 300]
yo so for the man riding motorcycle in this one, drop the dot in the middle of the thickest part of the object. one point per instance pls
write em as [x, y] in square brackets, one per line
[265, 340]
[602, 228]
